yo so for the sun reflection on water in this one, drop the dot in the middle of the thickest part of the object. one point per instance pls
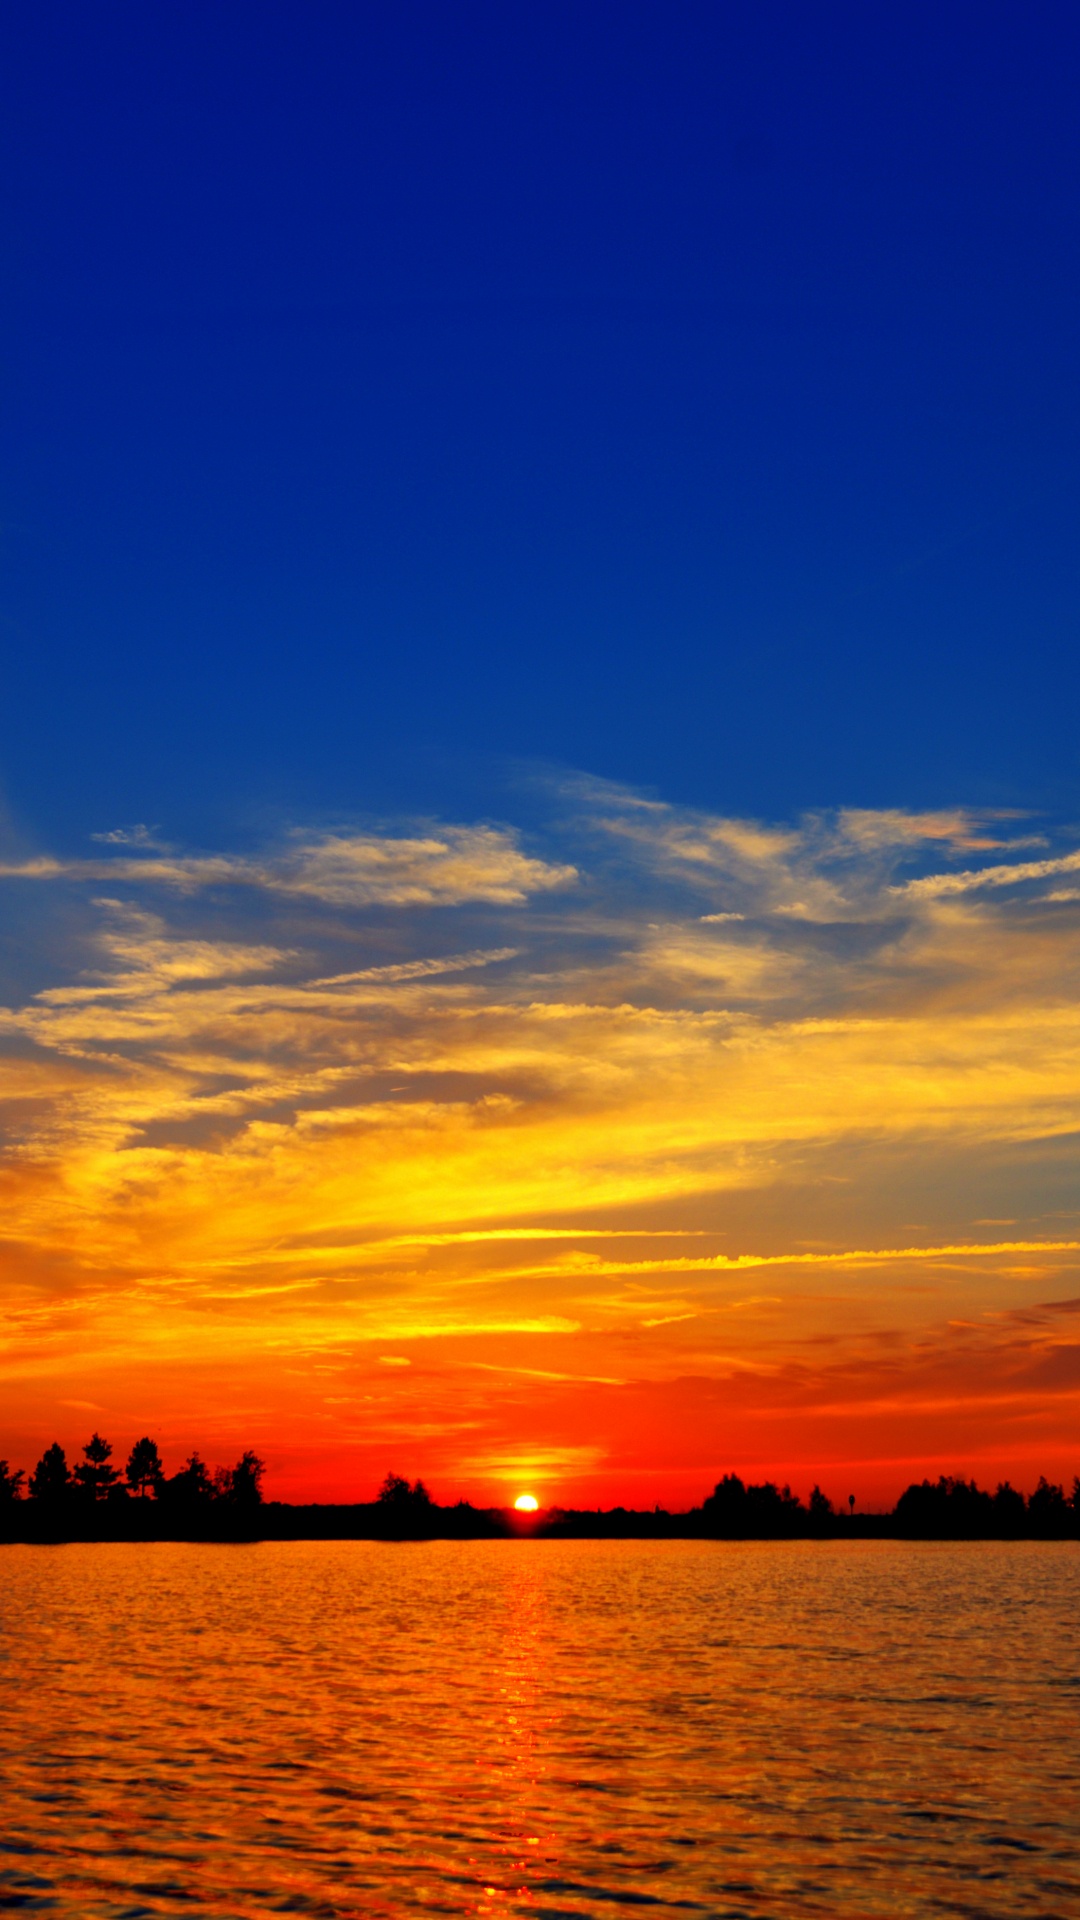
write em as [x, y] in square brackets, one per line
[346, 1728]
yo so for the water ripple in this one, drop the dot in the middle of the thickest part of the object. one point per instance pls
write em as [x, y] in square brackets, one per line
[337, 1729]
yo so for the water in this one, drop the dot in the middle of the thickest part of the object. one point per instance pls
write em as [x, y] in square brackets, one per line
[542, 1728]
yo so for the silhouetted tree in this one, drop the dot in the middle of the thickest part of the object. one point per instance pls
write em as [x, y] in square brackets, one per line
[245, 1481]
[725, 1506]
[406, 1504]
[94, 1474]
[1010, 1511]
[50, 1480]
[144, 1470]
[821, 1507]
[191, 1486]
[1048, 1510]
[948, 1509]
[775, 1509]
[10, 1484]
[763, 1512]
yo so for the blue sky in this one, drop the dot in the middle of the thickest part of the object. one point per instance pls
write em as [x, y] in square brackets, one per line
[397, 398]
[539, 847]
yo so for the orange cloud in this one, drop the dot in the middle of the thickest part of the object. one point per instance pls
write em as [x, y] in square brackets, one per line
[529, 1123]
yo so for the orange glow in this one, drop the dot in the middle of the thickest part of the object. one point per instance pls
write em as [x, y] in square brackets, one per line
[696, 1146]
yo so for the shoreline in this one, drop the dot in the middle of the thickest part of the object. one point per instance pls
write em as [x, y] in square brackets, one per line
[276, 1521]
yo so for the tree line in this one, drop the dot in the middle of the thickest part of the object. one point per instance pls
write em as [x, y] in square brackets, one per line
[96, 1499]
[947, 1508]
[55, 1485]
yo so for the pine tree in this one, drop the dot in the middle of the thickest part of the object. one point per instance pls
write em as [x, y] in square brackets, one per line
[50, 1479]
[144, 1470]
[94, 1475]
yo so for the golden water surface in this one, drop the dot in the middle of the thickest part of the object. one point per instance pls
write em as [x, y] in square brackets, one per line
[543, 1728]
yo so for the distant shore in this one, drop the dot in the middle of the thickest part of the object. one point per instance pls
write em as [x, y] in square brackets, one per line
[96, 1502]
[144, 1522]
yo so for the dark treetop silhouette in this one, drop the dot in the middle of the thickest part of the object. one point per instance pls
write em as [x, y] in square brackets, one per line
[96, 1502]
[92, 1500]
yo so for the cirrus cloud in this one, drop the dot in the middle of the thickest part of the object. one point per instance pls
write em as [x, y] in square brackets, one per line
[455, 864]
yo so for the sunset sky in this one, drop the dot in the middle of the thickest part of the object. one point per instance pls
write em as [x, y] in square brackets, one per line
[540, 833]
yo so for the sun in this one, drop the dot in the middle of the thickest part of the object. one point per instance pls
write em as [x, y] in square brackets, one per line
[527, 1503]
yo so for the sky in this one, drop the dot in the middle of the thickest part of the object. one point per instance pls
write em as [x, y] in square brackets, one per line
[539, 794]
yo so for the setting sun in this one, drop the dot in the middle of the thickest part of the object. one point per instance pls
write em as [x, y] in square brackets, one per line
[526, 1503]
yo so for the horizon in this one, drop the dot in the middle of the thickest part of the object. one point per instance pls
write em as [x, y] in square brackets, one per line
[526, 1505]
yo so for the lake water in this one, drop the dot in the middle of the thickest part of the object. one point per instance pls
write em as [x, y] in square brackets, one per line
[542, 1728]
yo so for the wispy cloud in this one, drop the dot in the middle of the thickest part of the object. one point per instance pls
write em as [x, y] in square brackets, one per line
[938, 885]
[958, 829]
[139, 835]
[351, 870]
[270, 1118]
